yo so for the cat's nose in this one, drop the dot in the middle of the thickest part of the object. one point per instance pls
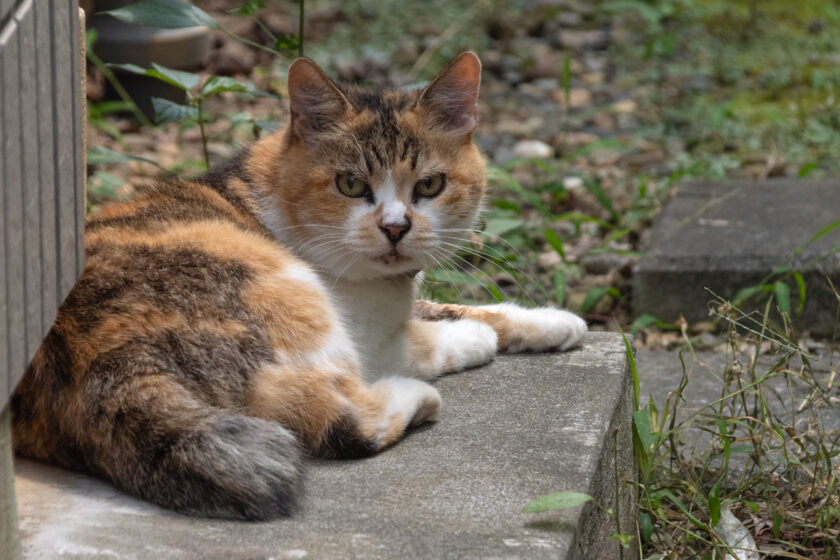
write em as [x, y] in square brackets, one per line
[396, 231]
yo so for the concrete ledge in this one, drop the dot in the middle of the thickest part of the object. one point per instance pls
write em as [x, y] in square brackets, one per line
[729, 235]
[522, 427]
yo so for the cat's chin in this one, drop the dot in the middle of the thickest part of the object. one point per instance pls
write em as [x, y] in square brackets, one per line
[381, 268]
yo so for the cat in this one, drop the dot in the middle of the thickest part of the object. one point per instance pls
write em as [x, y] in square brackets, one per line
[228, 326]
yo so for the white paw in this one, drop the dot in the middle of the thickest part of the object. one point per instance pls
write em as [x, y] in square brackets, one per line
[416, 401]
[541, 329]
[464, 344]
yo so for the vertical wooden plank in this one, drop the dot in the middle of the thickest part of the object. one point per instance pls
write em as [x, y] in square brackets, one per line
[29, 185]
[79, 115]
[13, 206]
[46, 164]
[64, 142]
[4, 340]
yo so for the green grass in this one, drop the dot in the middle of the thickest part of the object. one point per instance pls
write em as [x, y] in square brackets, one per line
[762, 452]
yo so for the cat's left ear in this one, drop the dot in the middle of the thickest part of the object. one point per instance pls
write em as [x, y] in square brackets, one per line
[451, 99]
[316, 104]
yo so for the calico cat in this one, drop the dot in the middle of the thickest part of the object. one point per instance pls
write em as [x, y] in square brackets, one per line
[228, 326]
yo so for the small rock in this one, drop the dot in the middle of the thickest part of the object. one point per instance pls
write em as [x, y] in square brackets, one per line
[573, 141]
[572, 183]
[532, 149]
[624, 106]
[604, 156]
[580, 39]
[604, 121]
[548, 84]
[604, 263]
[578, 97]
[569, 19]
[549, 260]
[593, 78]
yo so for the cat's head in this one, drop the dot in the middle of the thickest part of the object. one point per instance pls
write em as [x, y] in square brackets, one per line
[378, 182]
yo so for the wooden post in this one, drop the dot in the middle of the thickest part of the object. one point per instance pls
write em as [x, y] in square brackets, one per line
[42, 202]
[9, 539]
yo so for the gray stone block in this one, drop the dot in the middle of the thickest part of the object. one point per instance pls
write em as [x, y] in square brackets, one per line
[727, 236]
[510, 432]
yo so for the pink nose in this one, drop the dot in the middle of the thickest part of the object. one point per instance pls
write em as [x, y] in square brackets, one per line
[395, 232]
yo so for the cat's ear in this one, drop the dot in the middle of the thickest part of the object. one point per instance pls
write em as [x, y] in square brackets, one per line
[451, 99]
[316, 104]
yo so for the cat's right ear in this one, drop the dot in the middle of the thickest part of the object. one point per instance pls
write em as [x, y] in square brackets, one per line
[451, 99]
[317, 106]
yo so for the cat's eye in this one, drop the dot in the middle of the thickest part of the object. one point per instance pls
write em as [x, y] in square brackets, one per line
[351, 186]
[430, 186]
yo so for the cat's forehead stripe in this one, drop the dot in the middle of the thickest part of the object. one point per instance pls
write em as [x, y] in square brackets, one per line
[379, 135]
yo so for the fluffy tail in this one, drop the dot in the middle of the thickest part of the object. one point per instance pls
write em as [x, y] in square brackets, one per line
[200, 460]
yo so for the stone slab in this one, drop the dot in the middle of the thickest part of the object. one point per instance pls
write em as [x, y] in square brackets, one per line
[724, 236]
[519, 428]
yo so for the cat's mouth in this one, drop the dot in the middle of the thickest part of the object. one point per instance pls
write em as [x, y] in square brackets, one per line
[393, 257]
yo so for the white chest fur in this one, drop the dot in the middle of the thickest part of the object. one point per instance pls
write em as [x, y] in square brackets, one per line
[374, 313]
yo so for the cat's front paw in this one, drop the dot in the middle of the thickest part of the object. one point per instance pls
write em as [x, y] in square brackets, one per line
[464, 344]
[538, 330]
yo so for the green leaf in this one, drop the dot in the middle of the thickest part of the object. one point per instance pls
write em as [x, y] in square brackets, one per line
[494, 291]
[99, 155]
[648, 12]
[220, 84]
[555, 241]
[641, 423]
[555, 501]
[727, 443]
[800, 284]
[594, 187]
[714, 504]
[592, 298]
[634, 372]
[642, 321]
[169, 14]
[752, 505]
[783, 296]
[777, 523]
[181, 80]
[823, 232]
[248, 8]
[559, 288]
[500, 226]
[506, 205]
[178, 78]
[745, 293]
[677, 502]
[288, 42]
[742, 449]
[806, 169]
[453, 277]
[166, 110]
[646, 526]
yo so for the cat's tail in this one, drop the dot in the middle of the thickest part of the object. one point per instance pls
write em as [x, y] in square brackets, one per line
[204, 461]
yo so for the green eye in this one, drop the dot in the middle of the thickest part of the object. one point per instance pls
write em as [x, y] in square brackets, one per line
[430, 186]
[351, 186]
